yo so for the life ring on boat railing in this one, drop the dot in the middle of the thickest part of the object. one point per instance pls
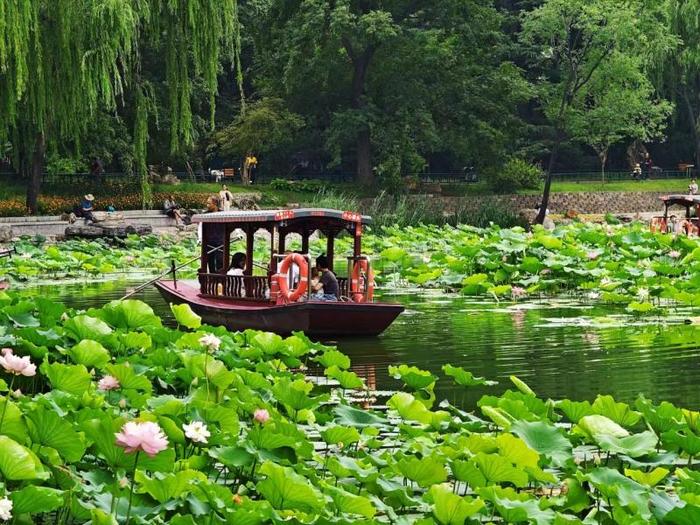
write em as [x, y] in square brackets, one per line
[285, 294]
[362, 272]
[658, 224]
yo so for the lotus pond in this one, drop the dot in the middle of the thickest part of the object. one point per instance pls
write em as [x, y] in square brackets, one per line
[491, 405]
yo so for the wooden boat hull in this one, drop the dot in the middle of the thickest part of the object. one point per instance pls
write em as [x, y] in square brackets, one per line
[314, 318]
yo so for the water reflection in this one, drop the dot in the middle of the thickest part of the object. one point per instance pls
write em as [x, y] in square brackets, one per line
[561, 348]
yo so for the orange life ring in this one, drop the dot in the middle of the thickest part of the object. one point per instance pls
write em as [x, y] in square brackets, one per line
[360, 272]
[285, 294]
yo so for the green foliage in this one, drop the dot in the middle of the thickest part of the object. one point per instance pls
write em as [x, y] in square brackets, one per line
[320, 456]
[516, 174]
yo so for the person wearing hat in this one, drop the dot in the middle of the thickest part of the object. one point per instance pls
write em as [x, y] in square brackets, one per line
[85, 210]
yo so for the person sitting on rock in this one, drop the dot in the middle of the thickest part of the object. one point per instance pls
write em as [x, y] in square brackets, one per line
[84, 210]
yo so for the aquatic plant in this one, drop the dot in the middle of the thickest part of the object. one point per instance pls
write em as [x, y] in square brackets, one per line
[241, 435]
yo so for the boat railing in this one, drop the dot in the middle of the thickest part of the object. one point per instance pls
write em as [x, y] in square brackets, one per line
[240, 287]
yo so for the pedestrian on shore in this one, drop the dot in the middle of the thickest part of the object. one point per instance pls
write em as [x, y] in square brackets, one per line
[648, 165]
[693, 187]
[225, 198]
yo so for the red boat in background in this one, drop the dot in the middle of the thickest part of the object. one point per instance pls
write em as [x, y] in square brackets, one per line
[282, 302]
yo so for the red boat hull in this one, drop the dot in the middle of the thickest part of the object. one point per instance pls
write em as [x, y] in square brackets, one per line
[314, 318]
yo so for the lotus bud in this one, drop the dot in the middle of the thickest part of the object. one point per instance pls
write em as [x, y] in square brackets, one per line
[64, 317]
[17, 393]
[122, 403]
[123, 483]
[236, 498]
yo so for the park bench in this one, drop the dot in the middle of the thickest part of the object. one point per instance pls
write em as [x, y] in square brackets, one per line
[7, 252]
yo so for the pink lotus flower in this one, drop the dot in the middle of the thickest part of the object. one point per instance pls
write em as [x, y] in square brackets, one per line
[674, 254]
[261, 416]
[108, 383]
[210, 342]
[517, 292]
[146, 436]
[17, 365]
[592, 255]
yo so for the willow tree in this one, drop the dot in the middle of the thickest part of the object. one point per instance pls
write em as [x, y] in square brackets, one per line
[62, 60]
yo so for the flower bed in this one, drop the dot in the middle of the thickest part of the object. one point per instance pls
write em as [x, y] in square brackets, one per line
[58, 204]
[107, 416]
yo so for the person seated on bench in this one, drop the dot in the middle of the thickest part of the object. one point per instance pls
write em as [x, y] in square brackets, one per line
[326, 289]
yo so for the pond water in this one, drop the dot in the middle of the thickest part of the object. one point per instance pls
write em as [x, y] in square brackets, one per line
[561, 348]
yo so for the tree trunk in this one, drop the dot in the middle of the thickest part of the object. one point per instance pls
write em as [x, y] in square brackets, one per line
[36, 169]
[603, 158]
[548, 181]
[360, 62]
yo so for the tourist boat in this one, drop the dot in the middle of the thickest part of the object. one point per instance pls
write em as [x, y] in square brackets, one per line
[687, 225]
[266, 302]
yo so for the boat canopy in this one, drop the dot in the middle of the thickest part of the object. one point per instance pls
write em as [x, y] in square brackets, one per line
[310, 217]
[686, 201]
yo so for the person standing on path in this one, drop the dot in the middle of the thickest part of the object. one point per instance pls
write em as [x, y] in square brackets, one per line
[225, 198]
[693, 187]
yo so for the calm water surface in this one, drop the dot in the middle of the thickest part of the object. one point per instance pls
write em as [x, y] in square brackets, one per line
[561, 348]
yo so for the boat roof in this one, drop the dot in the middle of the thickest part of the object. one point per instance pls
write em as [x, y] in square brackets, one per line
[682, 200]
[307, 215]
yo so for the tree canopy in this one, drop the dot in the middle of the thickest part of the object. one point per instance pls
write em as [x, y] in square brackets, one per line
[383, 89]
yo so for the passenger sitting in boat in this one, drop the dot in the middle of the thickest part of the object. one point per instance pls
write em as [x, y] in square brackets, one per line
[237, 264]
[326, 289]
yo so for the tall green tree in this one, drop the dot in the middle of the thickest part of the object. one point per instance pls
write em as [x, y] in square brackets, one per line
[571, 41]
[680, 69]
[62, 60]
[620, 104]
[391, 82]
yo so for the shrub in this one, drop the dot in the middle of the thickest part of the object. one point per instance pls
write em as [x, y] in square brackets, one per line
[303, 186]
[515, 175]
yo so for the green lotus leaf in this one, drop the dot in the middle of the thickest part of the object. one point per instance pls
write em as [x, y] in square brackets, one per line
[424, 471]
[392, 254]
[687, 515]
[13, 424]
[498, 469]
[595, 425]
[331, 358]
[517, 451]
[167, 487]
[36, 500]
[128, 378]
[73, 379]
[349, 503]
[50, 430]
[450, 509]
[413, 377]
[130, 314]
[650, 479]
[411, 409]
[522, 386]
[232, 457]
[465, 378]
[353, 417]
[85, 327]
[269, 343]
[185, 316]
[346, 379]
[287, 490]
[18, 462]
[546, 439]
[21, 314]
[575, 410]
[90, 353]
[295, 394]
[136, 340]
[338, 434]
[684, 440]
[633, 446]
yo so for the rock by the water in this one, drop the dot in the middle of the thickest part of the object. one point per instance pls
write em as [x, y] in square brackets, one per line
[6, 234]
[109, 230]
